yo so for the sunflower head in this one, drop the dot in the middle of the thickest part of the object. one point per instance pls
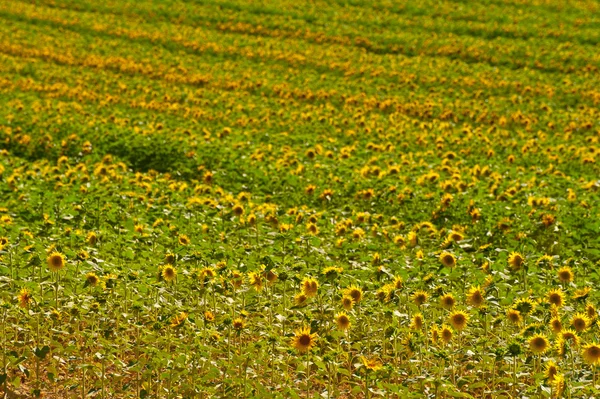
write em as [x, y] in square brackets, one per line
[539, 344]
[355, 293]
[447, 259]
[565, 274]
[56, 261]
[516, 260]
[591, 354]
[514, 316]
[303, 340]
[169, 273]
[556, 297]
[420, 297]
[24, 298]
[343, 321]
[309, 286]
[371, 364]
[580, 322]
[347, 302]
[447, 301]
[475, 296]
[459, 319]
[91, 279]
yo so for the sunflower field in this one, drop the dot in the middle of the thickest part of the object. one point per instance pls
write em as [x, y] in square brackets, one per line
[299, 199]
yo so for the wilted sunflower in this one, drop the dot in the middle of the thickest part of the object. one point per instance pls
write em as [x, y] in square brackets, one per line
[447, 259]
[303, 340]
[516, 260]
[591, 354]
[565, 274]
[24, 298]
[475, 296]
[343, 321]
[539, 344]
[309, 286]
[459, 319]
[556, 297]
[56, 261]
[169, 273]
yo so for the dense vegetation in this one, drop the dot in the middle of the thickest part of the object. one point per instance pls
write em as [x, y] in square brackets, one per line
[331, 199]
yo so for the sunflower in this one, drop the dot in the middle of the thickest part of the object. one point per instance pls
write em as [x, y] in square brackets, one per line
[475, 297]
[590, 310]
[255, 280]
[169, 273]
[446, 334]
[347, 302]
[459, 319]
[525, 305]
[170, 258]
[183, 239]
[372, 364]
[539, 344]
[237, 279]
[516, 260]
[303, 340]
[309, 286]
[559, 385]
[24, 298]
[331, 273]
[178, 320]
[447, 259]
[92, 238]
[343, 321]
[565, 274]
[417, 322]
[580, 322]
[238, 324]
[582, 294]
[56, 261]
[571, 336]
[550, 371]
[398, 283]
[300, 299]
[447, 301]
[420, 297]
[514, 316]
[355, 293]
[556, 324]
[591, 354]
[238, 210]
[91, 279]
[556, 297]
[209, 316]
